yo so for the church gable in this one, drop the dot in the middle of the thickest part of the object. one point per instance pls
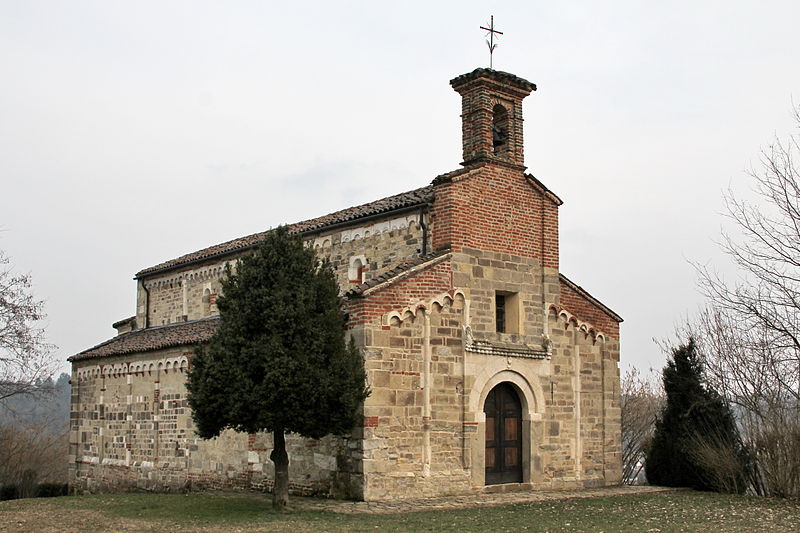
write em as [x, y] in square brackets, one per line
[492, 205]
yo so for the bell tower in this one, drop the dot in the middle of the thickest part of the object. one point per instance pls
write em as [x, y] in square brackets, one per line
[491, 116]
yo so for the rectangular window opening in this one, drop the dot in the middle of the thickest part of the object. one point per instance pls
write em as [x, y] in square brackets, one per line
[506, 305]
[500, 312]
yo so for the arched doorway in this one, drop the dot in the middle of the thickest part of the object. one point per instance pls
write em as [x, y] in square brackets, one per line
[503, 435]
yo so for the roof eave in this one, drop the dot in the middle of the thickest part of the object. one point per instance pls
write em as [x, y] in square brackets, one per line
[547, 192]
[583, 292]
[86, 354]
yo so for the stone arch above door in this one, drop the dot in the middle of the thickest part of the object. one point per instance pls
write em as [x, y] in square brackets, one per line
[530, 393]
[532, 404]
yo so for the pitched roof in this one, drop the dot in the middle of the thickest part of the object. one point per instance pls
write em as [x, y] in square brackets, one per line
[398, 270]
[583, 292]
[547, 192]
[384, 205]
[155, 338]
[449, 176]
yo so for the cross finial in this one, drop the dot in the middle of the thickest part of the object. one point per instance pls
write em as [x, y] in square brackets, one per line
[490, 42]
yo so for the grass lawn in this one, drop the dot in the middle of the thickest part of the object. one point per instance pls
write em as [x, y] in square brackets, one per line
[659, 512]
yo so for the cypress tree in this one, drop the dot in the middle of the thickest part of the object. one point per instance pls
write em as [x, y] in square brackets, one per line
[279, 361]
[696, 443]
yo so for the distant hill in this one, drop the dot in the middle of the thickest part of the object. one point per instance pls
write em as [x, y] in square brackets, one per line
[49, 408]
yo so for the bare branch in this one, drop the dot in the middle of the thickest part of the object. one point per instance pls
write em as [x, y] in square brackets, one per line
[641, 402]
[749, 334]
[25, 356]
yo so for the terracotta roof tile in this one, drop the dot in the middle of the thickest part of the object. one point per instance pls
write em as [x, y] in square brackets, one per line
[155, 338]
[384, 205]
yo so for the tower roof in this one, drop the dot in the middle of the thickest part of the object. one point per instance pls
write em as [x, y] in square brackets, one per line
[489, 75]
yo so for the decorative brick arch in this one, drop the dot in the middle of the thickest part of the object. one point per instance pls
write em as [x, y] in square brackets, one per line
[398, 316]
[588, 330]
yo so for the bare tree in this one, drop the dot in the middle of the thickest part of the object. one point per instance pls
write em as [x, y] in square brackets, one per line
[33, 453]
[743, 366]
[721, 459]
[766, 299]
[641, 401]
[25, 358]
[34, 433]
[750, 332]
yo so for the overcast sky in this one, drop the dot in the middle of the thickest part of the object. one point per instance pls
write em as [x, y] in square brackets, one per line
[134, 132]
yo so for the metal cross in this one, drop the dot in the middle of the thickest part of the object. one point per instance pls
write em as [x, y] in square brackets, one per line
[490, 43]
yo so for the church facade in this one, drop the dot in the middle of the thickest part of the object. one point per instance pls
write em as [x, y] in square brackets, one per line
[488, 368]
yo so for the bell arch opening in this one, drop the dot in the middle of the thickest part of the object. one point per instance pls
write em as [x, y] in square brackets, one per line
[499, 129]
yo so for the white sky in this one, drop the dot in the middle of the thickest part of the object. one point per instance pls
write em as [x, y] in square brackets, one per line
[134, 132]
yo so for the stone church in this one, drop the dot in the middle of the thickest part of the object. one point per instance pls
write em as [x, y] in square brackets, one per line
[489, 369]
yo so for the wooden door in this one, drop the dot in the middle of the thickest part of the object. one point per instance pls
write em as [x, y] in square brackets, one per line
[503, 436]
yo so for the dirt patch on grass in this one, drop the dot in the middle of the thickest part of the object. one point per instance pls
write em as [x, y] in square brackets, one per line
[39, 517]
[471, 500]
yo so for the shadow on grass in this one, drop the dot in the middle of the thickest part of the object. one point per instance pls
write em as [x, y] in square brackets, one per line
[190, 508]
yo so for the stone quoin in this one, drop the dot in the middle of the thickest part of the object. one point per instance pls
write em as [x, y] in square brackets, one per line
[489, 369]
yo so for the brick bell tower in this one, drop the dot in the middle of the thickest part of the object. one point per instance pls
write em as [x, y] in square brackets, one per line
[491, 115]
[490, 203]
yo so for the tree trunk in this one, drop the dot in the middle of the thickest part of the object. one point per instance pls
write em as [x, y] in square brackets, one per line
[279, 457]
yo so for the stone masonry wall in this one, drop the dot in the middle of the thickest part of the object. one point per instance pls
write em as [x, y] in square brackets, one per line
[484, 274]
[186, 295]
[131, 428]
[413, 439]
[584, 399]
[381, 244]
[434, 445]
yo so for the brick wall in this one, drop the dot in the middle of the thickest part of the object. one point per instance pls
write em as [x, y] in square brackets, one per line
[587, 311]
[416, 285]
[495, 208]
[483, 92]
